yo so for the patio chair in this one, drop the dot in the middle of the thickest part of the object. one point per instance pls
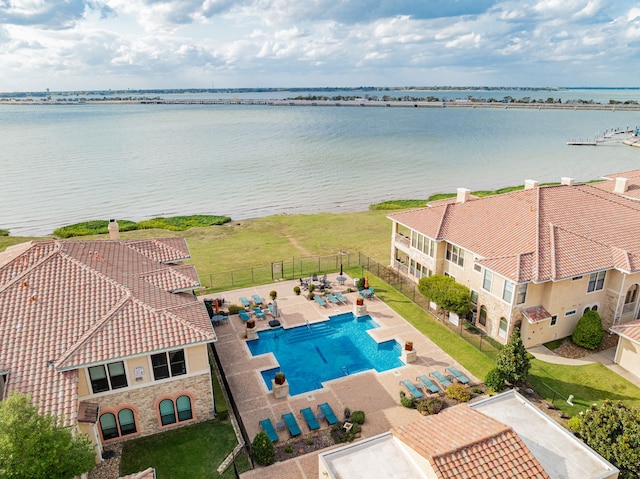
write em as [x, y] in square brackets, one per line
[259, 313]
[320, 301]
[257, 299]
[267, 426]
[245, 302]
[292, 424]
[332, 298]
[461, 378]
[244, 316]
[340, 297]
[308, 415]
[428, 383]
[440, 378]
[328, 413]
[415, 392]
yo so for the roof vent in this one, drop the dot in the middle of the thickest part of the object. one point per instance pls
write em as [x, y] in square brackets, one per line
[621, 185]
[114, 230]
[566, 181]
[463, 195]
[530, 184]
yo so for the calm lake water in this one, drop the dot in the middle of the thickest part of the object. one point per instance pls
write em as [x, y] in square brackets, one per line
[63, 164]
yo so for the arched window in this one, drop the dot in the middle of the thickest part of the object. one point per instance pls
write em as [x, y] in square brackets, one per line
[108, 426]
[483, 315]
[167, 412]
[503, 328]
[183, 405]
[127, 421]
[122, 424]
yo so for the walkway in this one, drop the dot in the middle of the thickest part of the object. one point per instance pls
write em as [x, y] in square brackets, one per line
[603, 357]
[375, 393]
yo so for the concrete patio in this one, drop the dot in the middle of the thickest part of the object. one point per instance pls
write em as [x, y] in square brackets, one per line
[377, 394]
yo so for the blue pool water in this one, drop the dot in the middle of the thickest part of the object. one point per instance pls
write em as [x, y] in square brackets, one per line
[309, 355]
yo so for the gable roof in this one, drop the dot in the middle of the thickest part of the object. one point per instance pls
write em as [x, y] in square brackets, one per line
[541, 234]
[69, 304]
[461, 442]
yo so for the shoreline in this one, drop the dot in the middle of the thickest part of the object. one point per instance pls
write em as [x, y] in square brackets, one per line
[340, 103]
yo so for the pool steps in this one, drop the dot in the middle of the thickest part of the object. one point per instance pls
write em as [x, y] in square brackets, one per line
[316, 330]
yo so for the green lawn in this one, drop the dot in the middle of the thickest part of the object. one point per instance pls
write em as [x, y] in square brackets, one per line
[193, 452]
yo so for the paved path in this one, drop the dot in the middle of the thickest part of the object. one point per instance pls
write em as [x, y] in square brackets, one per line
[604, 357]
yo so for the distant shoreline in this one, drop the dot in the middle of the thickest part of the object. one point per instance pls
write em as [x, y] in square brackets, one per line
[340, 103]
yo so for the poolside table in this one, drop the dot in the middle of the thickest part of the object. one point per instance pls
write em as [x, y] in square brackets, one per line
[341, 280]
[279, 425]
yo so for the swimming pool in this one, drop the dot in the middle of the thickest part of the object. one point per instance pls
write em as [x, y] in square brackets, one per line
[311, 354]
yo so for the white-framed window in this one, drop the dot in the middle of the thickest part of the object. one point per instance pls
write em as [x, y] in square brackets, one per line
[521, 293]
[576, 278]
[570, 312]
[474, 297]
[423, 243]
[554, 320]
[507, 291]
[455, 254]
[477, 268]
[486, 281]
[596, 281]
[502, 332]
[105, 379]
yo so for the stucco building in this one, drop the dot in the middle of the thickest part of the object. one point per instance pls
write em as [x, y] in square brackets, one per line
[107, 335]
[536, 258]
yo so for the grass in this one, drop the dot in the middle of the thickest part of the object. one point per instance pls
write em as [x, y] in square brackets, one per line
[193, 451]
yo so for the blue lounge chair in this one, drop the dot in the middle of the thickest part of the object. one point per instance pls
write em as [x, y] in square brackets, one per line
[244, 316]
[308, 415]
[259, 313]
[428, 383]
[332, 298]
[340, 297]
[440, 378]
[292, 424]
[461, 378]
[320, 301]
[257, 299]
[415, 392]
[328, 413]
[245, 302]
[267, 426]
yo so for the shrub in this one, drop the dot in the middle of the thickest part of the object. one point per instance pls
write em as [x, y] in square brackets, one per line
[574, 423]
[360, 284]
[340, 434]
[407, 401]
[181, 223]
[311, 288]
[223, 415]
[95, 227]
[435, 405]
[310, 296]
[458, 392]
[347, 413]
[262, 449]
[234, 308]
[495, 380]
[288, 448]
[357, 417]
[588, 332]
[4, 232]
[476, 390]
[309, 441]
[296, 290]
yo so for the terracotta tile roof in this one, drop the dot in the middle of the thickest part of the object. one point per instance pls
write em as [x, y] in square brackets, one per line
[464, 443]
[70, 303]
[536, 314]
[630, 330]
[540, 234]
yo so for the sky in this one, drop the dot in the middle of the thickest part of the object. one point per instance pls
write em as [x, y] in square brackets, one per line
[152, 44]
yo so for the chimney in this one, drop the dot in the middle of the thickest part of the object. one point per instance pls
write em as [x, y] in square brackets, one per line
[463, 195]
[621, 185]
[566, 181]
[114, 231]
[530, 184]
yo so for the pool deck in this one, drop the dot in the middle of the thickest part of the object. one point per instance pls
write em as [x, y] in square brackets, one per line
[377, 394]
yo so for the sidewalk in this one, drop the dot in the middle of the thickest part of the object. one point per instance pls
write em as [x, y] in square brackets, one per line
[603, 357]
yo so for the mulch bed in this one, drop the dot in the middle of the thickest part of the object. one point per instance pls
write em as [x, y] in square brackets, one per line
[570, 350]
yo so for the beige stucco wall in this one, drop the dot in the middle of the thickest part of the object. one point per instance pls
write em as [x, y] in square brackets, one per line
[628, 356]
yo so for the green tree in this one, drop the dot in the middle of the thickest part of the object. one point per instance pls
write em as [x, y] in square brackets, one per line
[33, 446]
[513, 360]
[613, 431]
[446, 293]
[588, 333]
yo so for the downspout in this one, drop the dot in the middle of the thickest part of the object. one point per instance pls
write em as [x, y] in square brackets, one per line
[615, 315]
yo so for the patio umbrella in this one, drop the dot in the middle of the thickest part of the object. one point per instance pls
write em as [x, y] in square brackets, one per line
[340, 269]
[215, 303]
[366, 282]
[274, 307]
